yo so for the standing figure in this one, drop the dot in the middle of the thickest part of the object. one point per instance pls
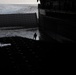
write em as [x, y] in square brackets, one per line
[35, 36]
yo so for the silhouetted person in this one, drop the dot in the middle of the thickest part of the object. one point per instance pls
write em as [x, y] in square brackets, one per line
[35, 36]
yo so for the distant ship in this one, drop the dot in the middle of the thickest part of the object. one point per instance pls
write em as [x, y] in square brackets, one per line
[57, 20]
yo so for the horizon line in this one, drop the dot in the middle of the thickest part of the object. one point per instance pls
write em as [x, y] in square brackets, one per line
[19, 3]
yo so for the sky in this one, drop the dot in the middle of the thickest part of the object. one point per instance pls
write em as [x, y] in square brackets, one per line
[18, 1]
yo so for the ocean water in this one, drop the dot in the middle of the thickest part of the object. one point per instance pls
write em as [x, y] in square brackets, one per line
[18, 8]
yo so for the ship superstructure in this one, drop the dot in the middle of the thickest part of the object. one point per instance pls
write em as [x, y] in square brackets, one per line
[57, 20]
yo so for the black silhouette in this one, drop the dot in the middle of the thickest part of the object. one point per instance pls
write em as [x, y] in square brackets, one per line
[35, 36]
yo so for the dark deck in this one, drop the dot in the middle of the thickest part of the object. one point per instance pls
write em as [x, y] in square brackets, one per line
[26, 56]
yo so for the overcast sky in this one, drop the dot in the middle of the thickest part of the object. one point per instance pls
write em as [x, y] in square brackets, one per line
[18, 1]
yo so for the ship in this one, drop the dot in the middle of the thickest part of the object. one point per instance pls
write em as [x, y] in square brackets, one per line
[57, 20]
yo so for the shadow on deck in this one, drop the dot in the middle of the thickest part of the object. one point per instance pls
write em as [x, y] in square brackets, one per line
[26, 56]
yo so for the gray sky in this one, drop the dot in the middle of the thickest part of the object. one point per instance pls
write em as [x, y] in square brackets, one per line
[18, 1]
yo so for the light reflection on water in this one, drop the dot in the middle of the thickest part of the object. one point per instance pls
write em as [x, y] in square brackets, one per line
[28, 33]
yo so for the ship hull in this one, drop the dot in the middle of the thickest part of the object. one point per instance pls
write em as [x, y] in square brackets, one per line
[57, 26]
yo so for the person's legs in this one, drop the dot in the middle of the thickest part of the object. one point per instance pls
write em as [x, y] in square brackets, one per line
[35, 38]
